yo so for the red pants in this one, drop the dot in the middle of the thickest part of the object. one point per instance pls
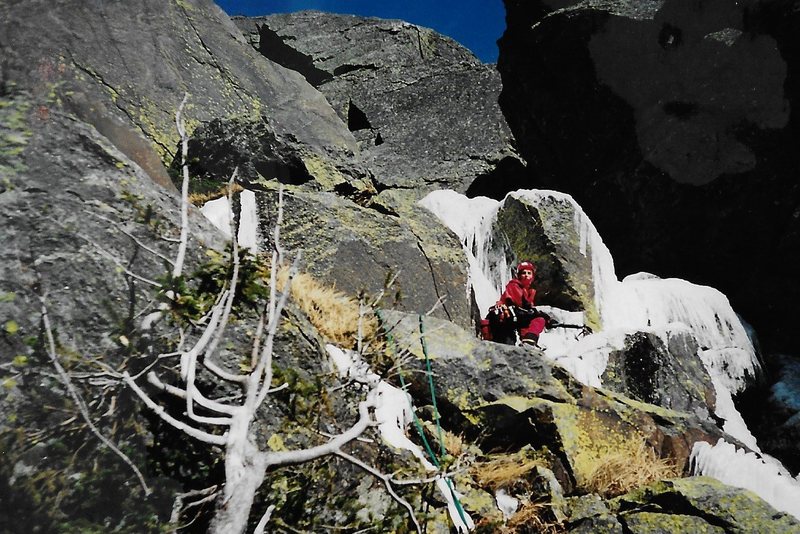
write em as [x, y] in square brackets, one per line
[535, 327]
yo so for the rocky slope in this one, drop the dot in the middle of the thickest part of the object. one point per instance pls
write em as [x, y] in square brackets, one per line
[90, 217]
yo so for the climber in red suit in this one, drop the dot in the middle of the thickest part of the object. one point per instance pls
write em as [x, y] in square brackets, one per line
[519, 295]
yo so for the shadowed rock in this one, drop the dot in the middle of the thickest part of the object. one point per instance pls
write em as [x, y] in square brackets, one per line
[668, 374]
[674, 125]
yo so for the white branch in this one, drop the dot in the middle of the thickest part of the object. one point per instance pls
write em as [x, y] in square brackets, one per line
[177, 507]
[76, 397]
[207, 360]
[184, 239]
[201, 399]
[387, 482]
[331, 447]
[264, 520]
[205, 437]
[265, 363]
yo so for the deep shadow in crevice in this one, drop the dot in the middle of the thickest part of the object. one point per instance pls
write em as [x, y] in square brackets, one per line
[357, 119]
[273, 47]
[681, 110]
[508, 175]
[344, 69]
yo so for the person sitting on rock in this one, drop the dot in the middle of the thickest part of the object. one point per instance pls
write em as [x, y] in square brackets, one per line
[514, 311]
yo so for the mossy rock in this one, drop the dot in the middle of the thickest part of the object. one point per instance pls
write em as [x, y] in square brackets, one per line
[731, 509]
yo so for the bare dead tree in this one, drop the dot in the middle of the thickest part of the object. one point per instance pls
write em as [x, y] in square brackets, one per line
[235, 417]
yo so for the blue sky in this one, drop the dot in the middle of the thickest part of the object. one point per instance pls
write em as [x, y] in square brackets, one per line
[477, 24]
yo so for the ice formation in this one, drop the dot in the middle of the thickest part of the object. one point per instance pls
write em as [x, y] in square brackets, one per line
[641, 302]
[220, 213]
[737, 467]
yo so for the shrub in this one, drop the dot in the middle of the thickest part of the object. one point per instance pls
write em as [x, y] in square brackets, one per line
[532, 517]
[334, 314]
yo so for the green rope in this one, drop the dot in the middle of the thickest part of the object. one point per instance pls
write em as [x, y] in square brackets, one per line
[429, 372]
[424, 343]
[417, 422]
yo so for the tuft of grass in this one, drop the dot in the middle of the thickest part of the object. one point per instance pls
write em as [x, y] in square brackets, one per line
[332, 312]
[622, 471]
[198, 199]
[532, 517]
[504, 472]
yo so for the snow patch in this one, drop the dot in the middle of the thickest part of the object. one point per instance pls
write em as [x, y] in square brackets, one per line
[506, 503]
[220, 213]
[248, 221]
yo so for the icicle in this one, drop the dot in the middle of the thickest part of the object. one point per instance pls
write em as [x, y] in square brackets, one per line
[248, 221]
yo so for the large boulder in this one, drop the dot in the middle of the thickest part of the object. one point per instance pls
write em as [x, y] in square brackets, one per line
[674, 125]
[251, 147]
[699, 504]
[360, 249]
[664, 370]
[553, 231]
[423, 108]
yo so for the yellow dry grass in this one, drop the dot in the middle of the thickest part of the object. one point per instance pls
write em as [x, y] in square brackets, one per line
[198, 199]
[334, 314]
[625, 470]
[504, 471]
[532, 518]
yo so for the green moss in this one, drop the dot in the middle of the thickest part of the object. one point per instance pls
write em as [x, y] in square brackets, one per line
[15, 134]
[643, 407]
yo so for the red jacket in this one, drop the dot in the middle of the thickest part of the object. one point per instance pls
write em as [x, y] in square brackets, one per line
[518, 295]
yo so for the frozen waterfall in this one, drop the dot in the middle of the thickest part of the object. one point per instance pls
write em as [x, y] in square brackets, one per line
[640, 302]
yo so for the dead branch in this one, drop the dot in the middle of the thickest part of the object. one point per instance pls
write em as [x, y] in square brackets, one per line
[76, 397]
[387, 482]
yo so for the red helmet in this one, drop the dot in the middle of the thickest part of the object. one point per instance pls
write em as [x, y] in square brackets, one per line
[526, 266]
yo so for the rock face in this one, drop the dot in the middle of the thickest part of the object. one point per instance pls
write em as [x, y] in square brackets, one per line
[700, 505]
[668, 374]
[125, 73]
[423, 108]
[551, 230]
[359, 249]
[674, 126]
[514, 397]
